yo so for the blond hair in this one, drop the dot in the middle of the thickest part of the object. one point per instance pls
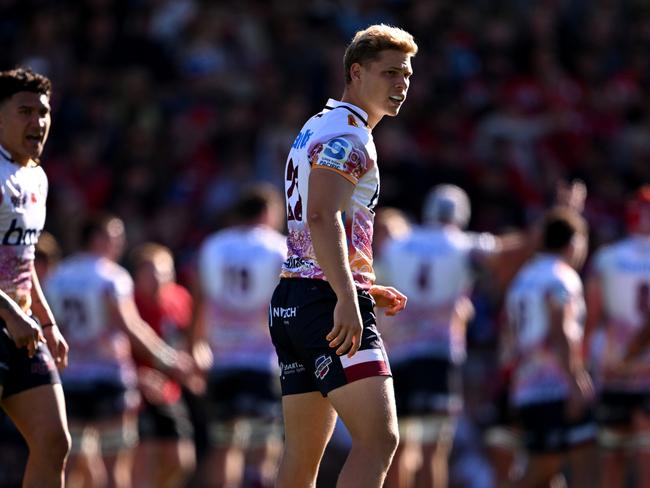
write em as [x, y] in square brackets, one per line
[368, 43]
[157, 254]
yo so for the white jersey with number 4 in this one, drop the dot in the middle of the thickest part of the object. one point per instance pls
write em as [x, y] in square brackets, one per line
[624, 272]
[238, 271]
[433, 268]
[77, 292]
[23, 191]
[539, 376]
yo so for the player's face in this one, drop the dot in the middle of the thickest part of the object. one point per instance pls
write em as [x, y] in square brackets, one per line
[116, 238]
[24, 125]
[383, 84]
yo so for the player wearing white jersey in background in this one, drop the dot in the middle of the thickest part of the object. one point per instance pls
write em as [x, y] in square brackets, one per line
[433, 266]
[238, 269]
[93, 297]
[322, 318]
[550, 387]
[618, 301]
[30, 390]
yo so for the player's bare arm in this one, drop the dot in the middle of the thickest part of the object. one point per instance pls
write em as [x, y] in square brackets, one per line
[329, 194]
[55, 341]
[570, 358]
[177, 364]
[199, 347]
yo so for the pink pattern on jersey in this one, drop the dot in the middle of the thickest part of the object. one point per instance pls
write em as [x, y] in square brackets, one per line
[16, 274]
[636, 375]
[539, 378]
[301, 261]
[423, 331]
[361, 249]
[240, 338]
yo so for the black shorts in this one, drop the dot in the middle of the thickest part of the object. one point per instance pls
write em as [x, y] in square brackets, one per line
[300, 317]
[167, 421]
[427, 385]
[234, 393]
[97, 400]
[19, 372]
[616, 408]
[547, 429]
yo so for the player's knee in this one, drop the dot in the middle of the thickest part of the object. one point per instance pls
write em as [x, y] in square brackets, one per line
[55, 445]
[383, 443]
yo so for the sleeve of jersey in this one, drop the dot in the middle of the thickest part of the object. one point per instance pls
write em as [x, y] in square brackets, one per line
[122, 285]
[345, 155]
[559, 294]
[598, 263]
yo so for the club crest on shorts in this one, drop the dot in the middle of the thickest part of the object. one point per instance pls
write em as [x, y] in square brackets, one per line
[322, 366]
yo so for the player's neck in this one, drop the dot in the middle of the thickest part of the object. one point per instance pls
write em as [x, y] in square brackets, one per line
[13, 156]
[350, 96]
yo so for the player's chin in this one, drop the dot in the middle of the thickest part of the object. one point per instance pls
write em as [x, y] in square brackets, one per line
[393, 110]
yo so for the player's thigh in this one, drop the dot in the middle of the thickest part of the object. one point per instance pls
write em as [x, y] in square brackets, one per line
[39, 414]
[308, 423]
[367, 407]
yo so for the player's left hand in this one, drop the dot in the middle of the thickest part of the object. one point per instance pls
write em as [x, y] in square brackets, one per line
[57, 345]
[388, 297]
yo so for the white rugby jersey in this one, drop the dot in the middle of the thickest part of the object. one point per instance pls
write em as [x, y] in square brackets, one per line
[624, 272]
[23, 191]
[77, 291]
[432, 267]
[238, 270]
[539, 376]
[336, 139]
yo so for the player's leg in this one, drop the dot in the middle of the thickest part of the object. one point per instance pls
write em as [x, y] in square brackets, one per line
[544, 425]
[39, 415]
[615, 432]
[367, 408]
[165, 453]
[263, 448]
[540, 470]
[641, 422]
[408, 455]
[309, 421]
[503, 444]
[118, 437]
[437, 440]
[85, 467]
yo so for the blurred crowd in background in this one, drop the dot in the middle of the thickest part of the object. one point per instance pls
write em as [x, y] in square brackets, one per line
[164, 110]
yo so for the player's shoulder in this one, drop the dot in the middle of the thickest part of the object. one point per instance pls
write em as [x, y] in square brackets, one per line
[607, 253]
[271, 237]
[219, 238]
[339, 121]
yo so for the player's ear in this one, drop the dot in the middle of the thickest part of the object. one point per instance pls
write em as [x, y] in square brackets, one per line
[355, 71]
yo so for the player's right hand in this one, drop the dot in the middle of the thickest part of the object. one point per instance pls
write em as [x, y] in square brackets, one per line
[185, 371]
[24, 332]
[345, 336]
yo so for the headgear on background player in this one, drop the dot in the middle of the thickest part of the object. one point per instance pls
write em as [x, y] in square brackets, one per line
[447, 204]
[638, 211]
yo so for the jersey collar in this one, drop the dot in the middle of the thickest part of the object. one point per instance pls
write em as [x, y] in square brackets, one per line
[5, 154]
[353, 109]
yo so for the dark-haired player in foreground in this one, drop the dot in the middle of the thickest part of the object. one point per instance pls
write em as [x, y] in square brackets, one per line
[30, 389]
[322, 312]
